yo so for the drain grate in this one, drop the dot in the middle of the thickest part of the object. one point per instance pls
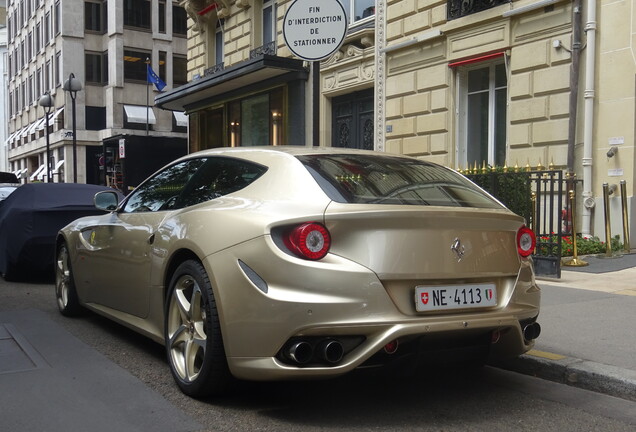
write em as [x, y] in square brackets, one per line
[16, 353]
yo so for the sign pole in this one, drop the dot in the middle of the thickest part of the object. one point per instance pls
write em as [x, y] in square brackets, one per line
[315, 69]
[314, 31]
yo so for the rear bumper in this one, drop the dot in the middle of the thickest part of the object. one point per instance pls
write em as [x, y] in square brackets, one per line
[371, 352]
[337, 299]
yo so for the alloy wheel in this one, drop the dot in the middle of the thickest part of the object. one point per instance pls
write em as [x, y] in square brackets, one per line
[187, 338]
[62, 278]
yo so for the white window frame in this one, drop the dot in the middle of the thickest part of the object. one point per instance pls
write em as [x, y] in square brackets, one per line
[351, 14]
[462, 111]
[268, 4]
[219, 43]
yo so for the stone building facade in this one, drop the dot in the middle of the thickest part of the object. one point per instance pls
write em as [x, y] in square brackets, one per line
[487, 82]
[493, 84]
[105, 45]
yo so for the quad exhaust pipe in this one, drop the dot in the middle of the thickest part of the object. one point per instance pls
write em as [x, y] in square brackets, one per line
[330, 351]
[531, 331]
[327, 351]
[300, 352]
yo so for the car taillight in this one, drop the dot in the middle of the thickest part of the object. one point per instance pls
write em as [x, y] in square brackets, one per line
[310, 241]
[526, 241]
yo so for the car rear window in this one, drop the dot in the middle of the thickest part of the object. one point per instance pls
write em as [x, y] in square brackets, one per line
[369, 179]
[7, 177]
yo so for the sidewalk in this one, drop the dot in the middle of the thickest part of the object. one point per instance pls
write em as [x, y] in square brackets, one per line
[588, 328]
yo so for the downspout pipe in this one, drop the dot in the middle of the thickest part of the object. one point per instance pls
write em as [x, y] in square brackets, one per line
[588, 131]
[574, 86]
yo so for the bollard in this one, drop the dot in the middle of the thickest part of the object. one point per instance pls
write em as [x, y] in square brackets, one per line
[533, 212]
[626, 246]
[575, 261]
[608, 229]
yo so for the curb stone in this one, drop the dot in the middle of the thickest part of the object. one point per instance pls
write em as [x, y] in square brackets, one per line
[597, 377]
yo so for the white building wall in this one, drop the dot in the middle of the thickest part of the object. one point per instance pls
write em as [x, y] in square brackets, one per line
[72, 42]
[3, 100]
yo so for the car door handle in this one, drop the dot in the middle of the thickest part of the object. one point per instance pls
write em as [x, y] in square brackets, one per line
[151, 239]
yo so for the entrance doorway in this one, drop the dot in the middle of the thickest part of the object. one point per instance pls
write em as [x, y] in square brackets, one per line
[352, 120]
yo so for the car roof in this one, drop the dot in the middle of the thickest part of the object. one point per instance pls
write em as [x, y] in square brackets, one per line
[292, 150]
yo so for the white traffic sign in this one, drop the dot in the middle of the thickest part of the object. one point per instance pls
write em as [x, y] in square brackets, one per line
[314, 30]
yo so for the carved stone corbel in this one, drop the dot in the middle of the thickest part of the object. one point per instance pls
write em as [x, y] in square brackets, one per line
[244, 4]
[367, 41]
[193, 7]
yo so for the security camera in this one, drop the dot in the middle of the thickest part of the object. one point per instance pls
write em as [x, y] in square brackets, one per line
[612, 151]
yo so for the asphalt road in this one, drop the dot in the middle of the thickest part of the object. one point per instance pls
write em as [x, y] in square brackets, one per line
[435, 400]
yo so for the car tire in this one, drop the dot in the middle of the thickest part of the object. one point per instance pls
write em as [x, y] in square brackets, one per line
[9, 273]
[192, 332]
[65, 292]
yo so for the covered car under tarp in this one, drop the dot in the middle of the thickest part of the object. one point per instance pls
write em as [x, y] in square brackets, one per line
[29, 221]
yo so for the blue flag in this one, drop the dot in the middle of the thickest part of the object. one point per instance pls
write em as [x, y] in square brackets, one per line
[154, 78]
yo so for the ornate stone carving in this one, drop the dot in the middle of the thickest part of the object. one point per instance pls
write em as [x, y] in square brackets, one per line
[380, 77]
[193, 7]
[353, 51]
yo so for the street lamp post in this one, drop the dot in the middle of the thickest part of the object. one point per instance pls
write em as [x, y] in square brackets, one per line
[73, 85]
[46, 102]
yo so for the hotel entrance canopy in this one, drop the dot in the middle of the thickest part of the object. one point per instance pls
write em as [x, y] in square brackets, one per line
[264, 70]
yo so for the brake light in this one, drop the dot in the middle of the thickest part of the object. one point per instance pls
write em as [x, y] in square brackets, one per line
[309, 241]
[526, 241]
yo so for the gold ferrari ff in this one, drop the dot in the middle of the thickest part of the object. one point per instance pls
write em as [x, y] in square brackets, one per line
[269, 263]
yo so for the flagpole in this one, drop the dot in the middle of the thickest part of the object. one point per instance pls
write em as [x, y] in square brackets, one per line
[147, 93]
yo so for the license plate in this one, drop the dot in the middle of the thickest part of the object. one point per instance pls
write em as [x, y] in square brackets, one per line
[444, 297]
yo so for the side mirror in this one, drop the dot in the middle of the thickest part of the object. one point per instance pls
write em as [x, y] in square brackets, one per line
[106, 200]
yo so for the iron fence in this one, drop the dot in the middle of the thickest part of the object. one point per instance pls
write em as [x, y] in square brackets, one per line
[541, 198]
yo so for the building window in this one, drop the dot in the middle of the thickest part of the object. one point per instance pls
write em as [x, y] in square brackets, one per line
[95, 15]
[47, 28]
[58, 69]
[30, 96]
[47, 76]
[95, 118]
[23, 101]
[30, 46]
[162, 16]
[269, 21]
[38, 81]
[97, 68]
[179, 21]
[58, 18]
[162, 65]
[38, 37]
[137, 13]
[357, 10]
[179, 70]
[218, 43]
[482, 122]
[135, 65]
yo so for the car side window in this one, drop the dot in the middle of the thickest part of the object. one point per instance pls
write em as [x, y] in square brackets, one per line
[161, 192]
[217, 177]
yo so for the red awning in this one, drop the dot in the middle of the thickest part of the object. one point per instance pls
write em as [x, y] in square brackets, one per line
[476, 59]
[207, 9]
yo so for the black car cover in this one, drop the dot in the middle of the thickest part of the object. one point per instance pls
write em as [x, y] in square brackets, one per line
[29, 221]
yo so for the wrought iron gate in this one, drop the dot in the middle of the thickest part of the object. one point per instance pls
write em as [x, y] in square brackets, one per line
[541, 198]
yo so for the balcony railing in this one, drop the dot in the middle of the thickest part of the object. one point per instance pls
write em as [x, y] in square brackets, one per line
[460, 8]
[269, 48]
